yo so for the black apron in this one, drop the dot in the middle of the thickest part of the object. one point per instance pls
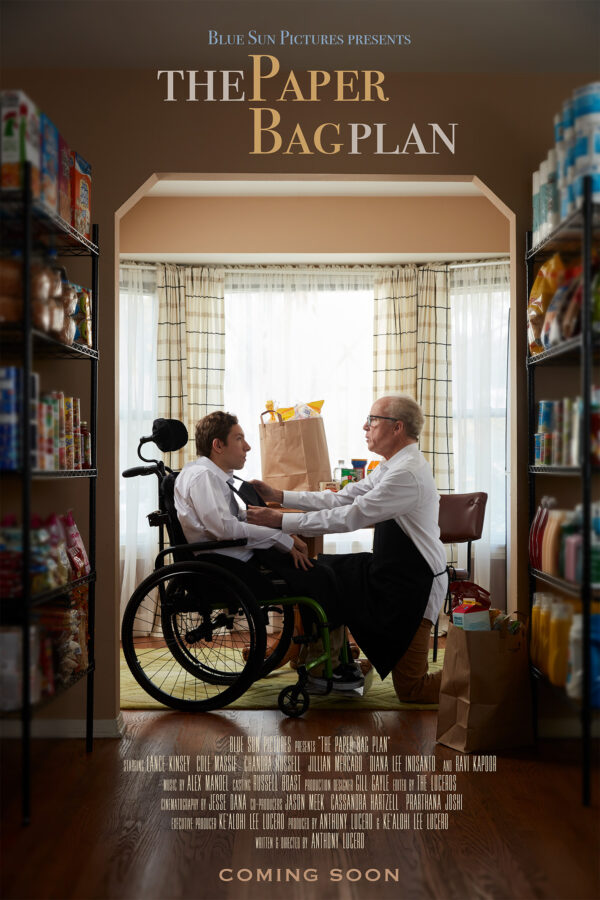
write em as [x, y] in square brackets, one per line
[383, 595]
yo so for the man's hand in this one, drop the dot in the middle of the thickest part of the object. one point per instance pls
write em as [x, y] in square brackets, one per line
[300, 545]
[301, 560]
[263, 515]
[268, 494]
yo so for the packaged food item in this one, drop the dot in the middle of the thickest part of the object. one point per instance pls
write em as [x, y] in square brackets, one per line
[269, 407]
[571, 322]
[81, 187]
[535, 628]
[286, 412]
[82, 316]
[574, 684]
[20, 140]
[57, 317]
[359, 467]
[11, 667]
[65, 165]
[86, 446]
[471, 617]
[303, 411]
[44, 569]
[552, 331]
[11, 276]
[62, 453]
[58, 547]
[544, 640]
[558, 643]
[76, 434]
[75, 547]
[48, 164]
[548, 280]
[69, 294]
[69, 458]
[9, 418]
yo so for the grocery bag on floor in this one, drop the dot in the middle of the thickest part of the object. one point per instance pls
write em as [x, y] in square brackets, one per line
[485, 696]
[294, 454]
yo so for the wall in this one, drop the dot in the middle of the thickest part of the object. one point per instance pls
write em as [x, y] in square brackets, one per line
[314, 225]
[117, 120]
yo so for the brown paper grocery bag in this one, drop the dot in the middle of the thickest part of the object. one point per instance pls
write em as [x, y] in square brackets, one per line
[294, 454]
[485, 696]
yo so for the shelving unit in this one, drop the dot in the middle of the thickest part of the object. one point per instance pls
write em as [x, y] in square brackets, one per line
[26, 226]
[573, 238]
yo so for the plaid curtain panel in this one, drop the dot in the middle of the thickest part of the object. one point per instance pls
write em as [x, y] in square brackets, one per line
[190, 347]
[412, 354]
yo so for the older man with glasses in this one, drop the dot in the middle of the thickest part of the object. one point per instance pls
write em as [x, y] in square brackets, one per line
[391, 597]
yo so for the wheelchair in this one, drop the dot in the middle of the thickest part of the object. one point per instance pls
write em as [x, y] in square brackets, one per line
[194, 632]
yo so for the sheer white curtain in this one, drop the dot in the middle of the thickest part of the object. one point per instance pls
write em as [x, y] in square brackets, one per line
[296, 335]
[480, 300]
[138, 313]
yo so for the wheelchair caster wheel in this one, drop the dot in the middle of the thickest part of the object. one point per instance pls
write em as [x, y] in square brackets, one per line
[293, 701]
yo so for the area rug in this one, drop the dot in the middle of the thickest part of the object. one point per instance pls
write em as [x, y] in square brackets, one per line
[263, 694]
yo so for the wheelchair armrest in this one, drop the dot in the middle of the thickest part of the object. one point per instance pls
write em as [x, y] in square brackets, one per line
[198, 545]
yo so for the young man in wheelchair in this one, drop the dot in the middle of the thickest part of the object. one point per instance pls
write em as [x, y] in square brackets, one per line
[392, 596]
[207, 509]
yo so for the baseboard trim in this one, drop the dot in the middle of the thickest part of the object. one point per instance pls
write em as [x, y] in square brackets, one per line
[65, 728]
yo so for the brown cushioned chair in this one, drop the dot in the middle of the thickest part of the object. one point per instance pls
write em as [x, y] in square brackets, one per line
[461, 521]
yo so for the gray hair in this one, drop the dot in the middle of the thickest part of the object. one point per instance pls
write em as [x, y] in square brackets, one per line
[408, 411]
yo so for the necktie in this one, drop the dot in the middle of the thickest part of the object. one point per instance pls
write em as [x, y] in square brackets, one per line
[233, 506]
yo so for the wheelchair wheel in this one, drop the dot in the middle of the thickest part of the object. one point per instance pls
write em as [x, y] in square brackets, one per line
[293, 701]
[184, 634]
[281, 617]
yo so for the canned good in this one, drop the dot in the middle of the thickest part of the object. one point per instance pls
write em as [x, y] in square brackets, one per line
[556, 457]
[546, 449]
[538, 449]
[545, 416]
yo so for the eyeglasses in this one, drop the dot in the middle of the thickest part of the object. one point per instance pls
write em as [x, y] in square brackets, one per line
[369, 419]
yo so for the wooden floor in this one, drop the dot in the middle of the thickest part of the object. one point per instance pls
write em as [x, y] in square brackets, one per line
[98, 831]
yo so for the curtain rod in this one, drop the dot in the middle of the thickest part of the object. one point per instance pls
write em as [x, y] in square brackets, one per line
[355, 269]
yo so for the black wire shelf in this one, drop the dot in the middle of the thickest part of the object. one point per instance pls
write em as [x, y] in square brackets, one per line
[11, 608]
[561, 584]
[561, 470]
[567, 236]
[15, 714]
[565, 352]
[50, 232]
[12, 338]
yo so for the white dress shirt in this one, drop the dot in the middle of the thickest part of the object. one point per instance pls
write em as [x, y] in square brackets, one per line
[208, 511]
[400, 488]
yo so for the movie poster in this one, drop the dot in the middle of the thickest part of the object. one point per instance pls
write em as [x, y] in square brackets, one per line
[338, 803]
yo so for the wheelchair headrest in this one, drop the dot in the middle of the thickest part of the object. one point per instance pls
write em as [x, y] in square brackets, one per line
[169, 435]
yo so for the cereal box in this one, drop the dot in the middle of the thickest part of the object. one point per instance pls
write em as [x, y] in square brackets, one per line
[81, 189]
[65, 166]
[20, 140]
[48, 164]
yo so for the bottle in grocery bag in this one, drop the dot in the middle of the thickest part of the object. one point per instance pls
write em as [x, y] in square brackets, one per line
[558, 643]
